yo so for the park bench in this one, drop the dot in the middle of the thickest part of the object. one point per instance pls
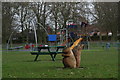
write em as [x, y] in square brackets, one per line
[49, 52]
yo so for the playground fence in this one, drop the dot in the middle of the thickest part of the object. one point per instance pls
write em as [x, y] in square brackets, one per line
[91, 45]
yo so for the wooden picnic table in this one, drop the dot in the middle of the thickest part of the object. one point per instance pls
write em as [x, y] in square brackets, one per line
[49, 52]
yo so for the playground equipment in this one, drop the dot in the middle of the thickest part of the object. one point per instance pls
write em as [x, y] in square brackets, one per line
[70, 33]
[52, 37]
[33, 24]
[63, 35]
[12, 48]
[67, 34]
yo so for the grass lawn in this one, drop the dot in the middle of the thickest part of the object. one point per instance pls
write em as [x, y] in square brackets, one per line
[99, 63]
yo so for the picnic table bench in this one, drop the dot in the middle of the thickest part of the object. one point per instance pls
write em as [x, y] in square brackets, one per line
[49, 52]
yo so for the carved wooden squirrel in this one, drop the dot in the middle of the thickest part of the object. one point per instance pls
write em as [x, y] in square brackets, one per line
[72, 60]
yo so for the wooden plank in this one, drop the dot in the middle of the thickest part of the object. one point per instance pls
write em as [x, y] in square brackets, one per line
[44, 53]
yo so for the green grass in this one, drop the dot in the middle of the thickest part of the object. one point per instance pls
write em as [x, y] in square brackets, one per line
[99, 63]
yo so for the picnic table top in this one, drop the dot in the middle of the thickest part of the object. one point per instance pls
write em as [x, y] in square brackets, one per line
[40, 47]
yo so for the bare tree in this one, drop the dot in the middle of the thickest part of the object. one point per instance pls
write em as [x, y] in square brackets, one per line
[107, 17]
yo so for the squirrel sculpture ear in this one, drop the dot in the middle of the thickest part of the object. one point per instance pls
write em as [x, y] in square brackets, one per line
[76, 43]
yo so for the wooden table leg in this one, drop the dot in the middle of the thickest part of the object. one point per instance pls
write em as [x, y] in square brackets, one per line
[36, 57]
[55, 55]
[53, 59]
